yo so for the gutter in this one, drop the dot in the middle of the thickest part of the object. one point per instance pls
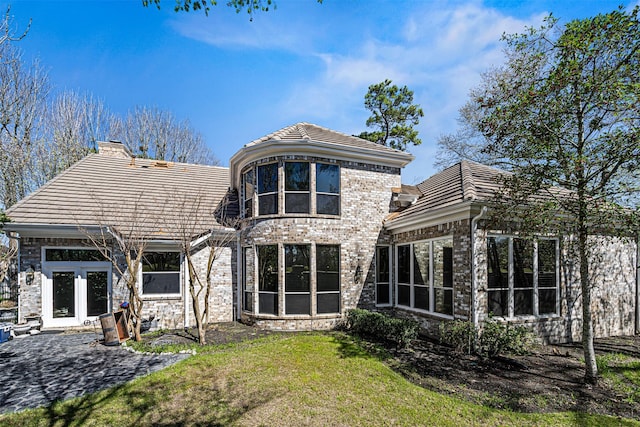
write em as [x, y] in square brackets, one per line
[474, 279]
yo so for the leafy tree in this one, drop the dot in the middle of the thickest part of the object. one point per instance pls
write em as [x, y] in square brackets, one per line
[248, 6]
[394, 115]
[565, 111]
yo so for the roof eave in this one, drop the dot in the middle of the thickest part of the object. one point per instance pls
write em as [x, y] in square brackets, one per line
[248, 154]
[433, 217]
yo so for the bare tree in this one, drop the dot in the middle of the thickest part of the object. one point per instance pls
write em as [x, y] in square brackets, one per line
[72, 124]
[156, 134]
[204, 235]
[122, 235]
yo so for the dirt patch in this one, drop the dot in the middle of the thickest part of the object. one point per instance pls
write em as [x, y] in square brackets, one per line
[549, 379]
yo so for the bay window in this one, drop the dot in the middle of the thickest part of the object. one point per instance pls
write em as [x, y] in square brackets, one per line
[268, 189]
[296, 187]
[268, 279]
[297, 283]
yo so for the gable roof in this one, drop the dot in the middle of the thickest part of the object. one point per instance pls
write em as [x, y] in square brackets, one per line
[106, 190]
[313, 140]
[463, 182]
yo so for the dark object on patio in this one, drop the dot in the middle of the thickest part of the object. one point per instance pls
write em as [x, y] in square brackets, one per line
[114, 327]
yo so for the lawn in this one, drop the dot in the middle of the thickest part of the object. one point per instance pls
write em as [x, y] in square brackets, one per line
[317, 379]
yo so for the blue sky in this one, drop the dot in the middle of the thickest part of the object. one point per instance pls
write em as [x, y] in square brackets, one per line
[237, 80]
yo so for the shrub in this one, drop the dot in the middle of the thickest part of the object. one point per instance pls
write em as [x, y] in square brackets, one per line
[459, 334]
[381, 327]
[494, 338]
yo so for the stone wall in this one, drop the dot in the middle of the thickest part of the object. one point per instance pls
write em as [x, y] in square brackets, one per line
[365, 202]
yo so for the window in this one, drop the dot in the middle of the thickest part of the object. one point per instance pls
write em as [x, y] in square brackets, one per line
[248, 279]
[161, 273]
[73, 255]
[296, 187]
[424, 272]
[328, 279]
[383, 283]
[268, 189]
[522, 278]
[327, 189]
[268, 279]
[248, 188]
[297, 284]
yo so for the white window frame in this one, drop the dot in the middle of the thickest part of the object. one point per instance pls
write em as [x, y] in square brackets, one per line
[511, 280]
[430, 286]
[389, 282]
[181, 278]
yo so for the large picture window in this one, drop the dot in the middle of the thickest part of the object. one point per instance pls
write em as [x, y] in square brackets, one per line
[268, 189]
[522, 276]
[424, 272]
[296, 187]
[161, 273]
[297, 283]
[328, 279]
[327, 189]
[268, 279]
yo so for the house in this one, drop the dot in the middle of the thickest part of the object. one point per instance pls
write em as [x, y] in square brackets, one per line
[322, 224]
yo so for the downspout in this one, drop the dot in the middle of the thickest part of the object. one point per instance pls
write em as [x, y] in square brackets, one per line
[474, 284]
[185, 290]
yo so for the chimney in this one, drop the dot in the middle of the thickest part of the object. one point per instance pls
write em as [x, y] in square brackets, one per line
[113, 149]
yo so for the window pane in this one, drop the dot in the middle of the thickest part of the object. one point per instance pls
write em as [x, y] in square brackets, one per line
[328, 204]
[298, 304]
[248, 189]
[296, 202]
[296, 176]
[522, 263]
[328, 303]
[443, 302]
[97, 282]
[268, 178]
[161, 283]
[268, 204]
[64, 294]
[382, 264]
[74, 255]
[382, 293]
[547, 301]
[443, 263]
[499, 303]
[404, 295]
[327, 178]
[296, 268]
[421, 263]
[268, 268]
[247, 302]
[404, 263]
[547, 264]
[268, 303]
[523, 301]
[328, 267]
[498, 268]
[421, 297]
[160, 261]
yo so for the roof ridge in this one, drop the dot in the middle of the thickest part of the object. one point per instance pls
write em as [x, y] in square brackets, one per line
[468, 182]
[49, 183]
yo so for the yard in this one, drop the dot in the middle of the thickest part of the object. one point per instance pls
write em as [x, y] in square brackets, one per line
[333, 379]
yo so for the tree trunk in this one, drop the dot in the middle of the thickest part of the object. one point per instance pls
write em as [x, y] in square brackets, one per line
[591, 368]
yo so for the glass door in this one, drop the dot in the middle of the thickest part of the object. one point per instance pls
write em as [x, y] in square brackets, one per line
[64, 294]
[97, 292]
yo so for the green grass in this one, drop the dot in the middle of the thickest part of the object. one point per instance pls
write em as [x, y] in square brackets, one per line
[288, 380]
[623, 373]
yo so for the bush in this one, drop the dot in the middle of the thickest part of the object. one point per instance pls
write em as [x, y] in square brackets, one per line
[382, 327]
[494, 338]
[459, 334]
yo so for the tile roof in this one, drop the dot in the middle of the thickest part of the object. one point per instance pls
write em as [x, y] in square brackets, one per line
[464, 181]
[105, 190]
[310, 132]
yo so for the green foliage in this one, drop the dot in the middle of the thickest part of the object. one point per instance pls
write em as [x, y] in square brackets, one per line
[248, 6]
[394, 116]
[382, 327]
[3, 219]
[493, 339]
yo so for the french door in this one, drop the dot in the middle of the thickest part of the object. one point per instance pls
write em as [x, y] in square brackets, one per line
[75, 294]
